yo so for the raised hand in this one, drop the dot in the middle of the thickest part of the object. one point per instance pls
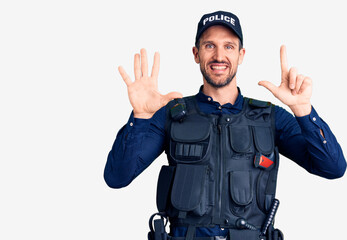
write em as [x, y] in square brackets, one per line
[295, 89]
[143, 92]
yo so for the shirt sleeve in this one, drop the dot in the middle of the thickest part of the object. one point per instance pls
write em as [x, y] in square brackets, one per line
[300, 139]
[137, 145]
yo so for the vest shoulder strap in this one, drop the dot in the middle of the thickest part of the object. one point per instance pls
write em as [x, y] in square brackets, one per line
[264, 104]
[257, 103]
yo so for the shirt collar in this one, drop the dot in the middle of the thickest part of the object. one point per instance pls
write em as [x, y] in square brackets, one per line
[208, 99]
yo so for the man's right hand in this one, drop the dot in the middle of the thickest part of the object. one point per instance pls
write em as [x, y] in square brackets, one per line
[143, 92]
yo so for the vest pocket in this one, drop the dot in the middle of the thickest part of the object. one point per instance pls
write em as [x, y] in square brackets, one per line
[190, 189]
[189, 142]
[240, 183]
[240, 192]
[241, 139]
[263, 139]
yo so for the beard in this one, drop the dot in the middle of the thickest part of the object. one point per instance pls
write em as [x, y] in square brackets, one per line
[214, 84]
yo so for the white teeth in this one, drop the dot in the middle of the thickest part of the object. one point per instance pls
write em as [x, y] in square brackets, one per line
[219, 67]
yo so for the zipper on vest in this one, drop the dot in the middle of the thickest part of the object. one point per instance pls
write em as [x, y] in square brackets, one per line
[220, 172]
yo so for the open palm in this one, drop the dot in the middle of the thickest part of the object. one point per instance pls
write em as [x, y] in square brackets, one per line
[143, 92]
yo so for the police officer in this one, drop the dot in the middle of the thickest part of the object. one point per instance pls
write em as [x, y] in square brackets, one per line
[223, 148]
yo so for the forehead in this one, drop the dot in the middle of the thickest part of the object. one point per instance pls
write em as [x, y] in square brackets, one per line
[219, 33]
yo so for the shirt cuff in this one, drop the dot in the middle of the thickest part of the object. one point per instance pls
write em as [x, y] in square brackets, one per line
[310, 122]
[137, 123]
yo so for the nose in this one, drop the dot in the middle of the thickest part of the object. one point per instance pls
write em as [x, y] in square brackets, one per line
[219, 54]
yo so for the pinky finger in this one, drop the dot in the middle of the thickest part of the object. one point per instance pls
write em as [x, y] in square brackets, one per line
[124, 75]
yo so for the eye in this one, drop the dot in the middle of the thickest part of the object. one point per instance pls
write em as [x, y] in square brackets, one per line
[229, 47]
[209, 45]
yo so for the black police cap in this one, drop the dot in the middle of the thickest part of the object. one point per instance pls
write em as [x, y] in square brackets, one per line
[226, 19]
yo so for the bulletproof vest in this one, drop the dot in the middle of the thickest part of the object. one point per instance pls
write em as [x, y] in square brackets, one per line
[222, 168]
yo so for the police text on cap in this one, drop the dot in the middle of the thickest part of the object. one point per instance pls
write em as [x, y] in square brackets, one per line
[219, 17]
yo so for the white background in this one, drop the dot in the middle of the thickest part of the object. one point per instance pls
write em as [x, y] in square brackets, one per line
[63, 102]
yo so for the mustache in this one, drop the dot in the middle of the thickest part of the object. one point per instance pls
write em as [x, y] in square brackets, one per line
[218, 62]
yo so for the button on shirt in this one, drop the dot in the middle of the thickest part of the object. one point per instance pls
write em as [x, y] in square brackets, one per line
[141, 141]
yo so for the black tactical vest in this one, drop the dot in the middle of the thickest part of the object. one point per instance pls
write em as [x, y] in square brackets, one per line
[222, 168]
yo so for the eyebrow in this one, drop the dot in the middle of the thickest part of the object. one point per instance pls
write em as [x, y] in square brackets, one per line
[231, 43]
[206, 42]
[211, 42]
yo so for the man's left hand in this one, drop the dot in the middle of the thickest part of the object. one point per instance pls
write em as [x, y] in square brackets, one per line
[295, 89]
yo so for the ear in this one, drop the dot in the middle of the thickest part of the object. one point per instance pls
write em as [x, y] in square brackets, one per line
[241, 55]
[196, 54]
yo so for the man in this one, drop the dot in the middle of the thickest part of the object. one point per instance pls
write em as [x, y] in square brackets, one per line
[223, 149]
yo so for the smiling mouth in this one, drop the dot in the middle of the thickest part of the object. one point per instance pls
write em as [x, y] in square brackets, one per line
[214, 67]
[219, 68]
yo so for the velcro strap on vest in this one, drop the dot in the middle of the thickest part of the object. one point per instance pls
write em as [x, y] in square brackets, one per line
[182, 214]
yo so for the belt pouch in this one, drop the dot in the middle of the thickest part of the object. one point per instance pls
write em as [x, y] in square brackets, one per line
[235, 234]
[277, 235]
[195, 238]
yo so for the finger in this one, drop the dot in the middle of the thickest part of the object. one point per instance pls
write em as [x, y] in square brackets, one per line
[144, 63]
[124, 75]
[299, 79]
[156, 64]
[269, 86]
[283, 57]
[293, 73]
[172, 95]
[307, 83]
[137, 68]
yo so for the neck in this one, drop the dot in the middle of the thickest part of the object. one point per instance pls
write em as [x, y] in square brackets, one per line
[223, 95]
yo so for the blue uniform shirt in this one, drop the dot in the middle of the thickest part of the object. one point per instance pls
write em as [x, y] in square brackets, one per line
[141, 141]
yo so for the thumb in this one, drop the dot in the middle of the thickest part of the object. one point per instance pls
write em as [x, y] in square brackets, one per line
[269, 86]
[172, 95]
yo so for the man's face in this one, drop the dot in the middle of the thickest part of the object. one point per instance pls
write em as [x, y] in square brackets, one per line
[218, 55]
